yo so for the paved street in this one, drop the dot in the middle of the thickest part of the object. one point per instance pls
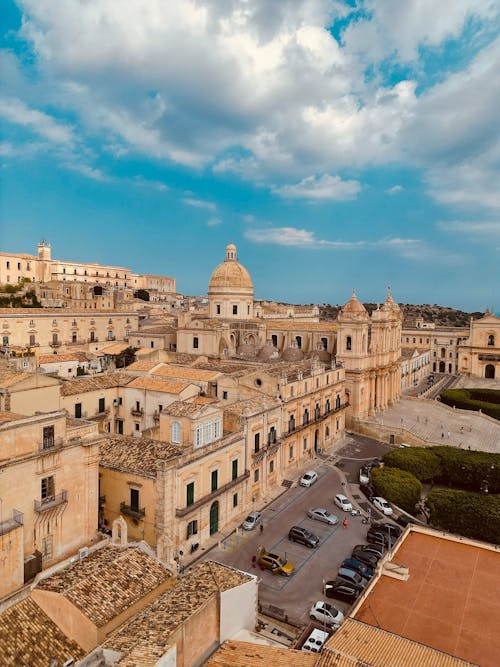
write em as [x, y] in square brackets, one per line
[296, 594]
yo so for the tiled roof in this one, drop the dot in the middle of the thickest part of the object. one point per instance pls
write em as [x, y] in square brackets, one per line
[204, 400]
[137, 455]
[8, 377]
[115, 348]
[28, 637]
[252, 405]
[246, 654]
[356, 643]
[142, 365]
[147, 633]
[158, 385]
[108, 581]
[185, 373]
[94, 383]
[182, 409]
[57, 358]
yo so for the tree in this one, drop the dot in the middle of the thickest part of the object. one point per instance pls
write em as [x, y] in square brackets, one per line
[469, 514]
[125, 357]
[422, 462]
[397, 486]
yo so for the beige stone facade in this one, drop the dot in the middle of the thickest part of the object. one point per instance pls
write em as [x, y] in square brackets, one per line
[48, 486]
[441, 342]
[415, 366]
[479, 356]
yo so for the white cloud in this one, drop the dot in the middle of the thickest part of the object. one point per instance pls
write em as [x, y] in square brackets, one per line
[325, 187]
[479, 228]
[396, 189]
[86, 170]
[15, 111]
[213, 222]
[148, 183]
[200, 203]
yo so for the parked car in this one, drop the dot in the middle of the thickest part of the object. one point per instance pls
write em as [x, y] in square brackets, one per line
[368, 558]
[252, 520]
[341, 590]
[343, 502]
[326, 613]
[356, 565]
[375, 549]
[364, 474]
[321, 514]
[308, 478]
[352, 577]
[367, 490]
[275, 563]
[404, 520]
[389, 528]
[382, 505]
[377, 537]
[303, 536]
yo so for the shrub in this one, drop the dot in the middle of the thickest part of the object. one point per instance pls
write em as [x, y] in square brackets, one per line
[469, 514]
[486, 400]
[422, 462]
[469, 469]
[397, 486]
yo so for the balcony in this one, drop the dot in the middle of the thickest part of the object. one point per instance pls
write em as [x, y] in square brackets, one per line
[15, 521]
[51, 501]
[100, 414]
[137, 412]
[55, 343]
[182, 511]
[49, 444]
[93, 340]
[293, 427]
[134, 512]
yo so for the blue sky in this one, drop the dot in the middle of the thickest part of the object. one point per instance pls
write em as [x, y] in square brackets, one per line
[338, 144]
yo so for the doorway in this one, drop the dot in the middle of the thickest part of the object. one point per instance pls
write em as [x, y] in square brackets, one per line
[214, 517]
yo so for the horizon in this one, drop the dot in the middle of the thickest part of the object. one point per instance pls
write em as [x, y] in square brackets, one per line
[340, 145]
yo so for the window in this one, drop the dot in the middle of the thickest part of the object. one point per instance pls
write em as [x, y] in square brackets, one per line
[291, 423]
[327, 406]
[305, 418]
[208, 432]
[272, 435]
[195, 342]
[92, 336]
[32, 323]
[199, 435]
[271, 466]
[48, 488]
[234, 469]
[224, 395]
[48, 437]
[8, 265]
[256, 475]
[54, 339]
[73, 337]
[256, 443]
[305, 444]
[102, 405]
[491, 339]
[19, 266]
[192, 528]
[214, 480]
[290, 452]
[217, 430]
[119, 426]
[78, 410]
[134, 499]
[137, 426]
[235, 310]
[32, 339]
[327, 432]
[217, 308]
[5, 340]
[47, 547]
[235, 500]
[190, 493]
[348, 343]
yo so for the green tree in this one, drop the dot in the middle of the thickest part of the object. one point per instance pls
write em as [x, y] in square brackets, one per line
[422, 462]
[397, 486]
[470, 514]
[125, 357]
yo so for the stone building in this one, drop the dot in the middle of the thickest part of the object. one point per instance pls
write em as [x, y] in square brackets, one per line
[479, 355]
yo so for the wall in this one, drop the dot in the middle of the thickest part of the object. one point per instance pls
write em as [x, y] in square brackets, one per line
[11, 557]
[238, 609]
[198, 637]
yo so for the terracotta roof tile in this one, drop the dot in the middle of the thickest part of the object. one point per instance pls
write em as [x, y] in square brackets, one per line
[94, 383]
[185, 373]
[9, 377]
[245, 654]
[142, 365]
[107, 581]
[57, 358]
[158, 385]
[29, 637]
[183, 409]
[137, 455]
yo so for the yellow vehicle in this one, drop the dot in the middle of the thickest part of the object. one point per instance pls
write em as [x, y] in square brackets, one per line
[275, 563]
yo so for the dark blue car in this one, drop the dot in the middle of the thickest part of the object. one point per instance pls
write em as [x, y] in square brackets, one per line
[364, 570]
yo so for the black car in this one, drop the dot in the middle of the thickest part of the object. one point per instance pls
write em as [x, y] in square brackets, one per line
[404, 520]
[303, 536]
[379, 538]
[375, 549]
[341, 590]
[367, 490]
[368, 558]
[389, 528]
[356, 565]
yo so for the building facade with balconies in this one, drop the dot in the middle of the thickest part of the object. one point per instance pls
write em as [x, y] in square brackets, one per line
[48, 487]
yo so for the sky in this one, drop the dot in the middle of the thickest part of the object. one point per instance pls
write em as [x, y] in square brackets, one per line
[340, 144]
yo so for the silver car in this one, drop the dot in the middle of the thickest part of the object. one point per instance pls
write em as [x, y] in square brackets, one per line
[321, 514]
[252, 520]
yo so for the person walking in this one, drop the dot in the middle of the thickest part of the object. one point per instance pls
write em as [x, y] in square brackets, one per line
[261, 528]
[344, 523]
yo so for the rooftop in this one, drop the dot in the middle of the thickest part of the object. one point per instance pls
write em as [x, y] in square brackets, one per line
[450, 601]
[158, 385]
[135, 455]
[246, 654]
[185, 373]
[356, 643]
[94, 383]
[142, 365]
[183, 409]
[9, 377]
[147, 634]
[108, 581]
[58, 358]
[29, 637]
[6, 416]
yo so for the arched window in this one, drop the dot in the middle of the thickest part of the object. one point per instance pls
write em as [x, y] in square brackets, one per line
[348, 343]
[489, 371]
[337, 402]
[491, 339]
[176, 432]
[327, 432]
[327, 406]
[305, 418]
[274, 338]
[325, 343]
[299, 341]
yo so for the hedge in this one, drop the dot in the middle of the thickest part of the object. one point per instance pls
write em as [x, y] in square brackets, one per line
[486, 400]
[473, 515]
[422, 462]
[397, 486]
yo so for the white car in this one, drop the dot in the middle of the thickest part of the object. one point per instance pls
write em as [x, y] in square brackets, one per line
[364, 475]
[342, 502]
[326, 613]
[320, 514]
[382, 505]
[308, 478]
[252, 520]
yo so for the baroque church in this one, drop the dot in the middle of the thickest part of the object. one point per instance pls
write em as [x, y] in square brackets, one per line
[368, 346]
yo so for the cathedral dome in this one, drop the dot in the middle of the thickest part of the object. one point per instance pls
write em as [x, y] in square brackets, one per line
[230, 274]
[353, 307]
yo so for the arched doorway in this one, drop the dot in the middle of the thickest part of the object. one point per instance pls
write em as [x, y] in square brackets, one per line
[442, 367]
[489, 371]
[214, 517]
[316, 440]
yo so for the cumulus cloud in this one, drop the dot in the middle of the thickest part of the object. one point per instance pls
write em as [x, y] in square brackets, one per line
[199, 203]
[325, 187]
[214, 222]
[471, 227]
[396, 189]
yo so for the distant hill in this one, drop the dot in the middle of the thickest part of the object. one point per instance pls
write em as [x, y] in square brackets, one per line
[440, 315]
